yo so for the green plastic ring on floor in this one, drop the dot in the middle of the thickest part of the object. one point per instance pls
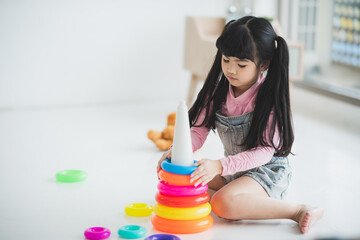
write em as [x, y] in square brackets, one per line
[132, 231]
[71, 175]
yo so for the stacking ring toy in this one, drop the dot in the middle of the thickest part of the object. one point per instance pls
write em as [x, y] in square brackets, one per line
[182, 227]
[182, 202]
[175, 179]
[71, 176]
[97, 233]
[172, 190]
[182, 213]
[162, 237]
[177, 169]
[138, 209]
[132, 231]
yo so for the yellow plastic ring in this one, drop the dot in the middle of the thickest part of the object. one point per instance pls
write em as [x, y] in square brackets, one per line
[182, 213]
[139, 209]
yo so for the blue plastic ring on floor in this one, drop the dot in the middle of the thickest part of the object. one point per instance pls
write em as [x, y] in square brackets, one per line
[162, 237]
[132, 231]
[177, 169]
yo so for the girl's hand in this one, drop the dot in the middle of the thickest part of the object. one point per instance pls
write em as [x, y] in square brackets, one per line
[167, 154]
[206, 171]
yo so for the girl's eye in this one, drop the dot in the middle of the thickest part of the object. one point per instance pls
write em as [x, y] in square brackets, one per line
[242, 66]
[225, 60]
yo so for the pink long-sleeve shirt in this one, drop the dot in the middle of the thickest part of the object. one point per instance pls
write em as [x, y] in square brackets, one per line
[236, 106]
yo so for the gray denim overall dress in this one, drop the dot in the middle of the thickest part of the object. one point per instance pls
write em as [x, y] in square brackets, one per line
[274, 176]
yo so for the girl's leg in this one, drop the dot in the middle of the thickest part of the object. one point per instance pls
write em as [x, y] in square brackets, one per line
[215, 184]
[244, 198]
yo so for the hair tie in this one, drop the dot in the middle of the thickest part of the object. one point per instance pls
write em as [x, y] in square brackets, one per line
[276, 40]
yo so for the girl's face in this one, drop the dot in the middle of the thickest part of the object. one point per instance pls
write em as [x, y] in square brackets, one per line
[241, 73]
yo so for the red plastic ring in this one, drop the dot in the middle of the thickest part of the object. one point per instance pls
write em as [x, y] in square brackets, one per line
[182, 202]
[182, 226]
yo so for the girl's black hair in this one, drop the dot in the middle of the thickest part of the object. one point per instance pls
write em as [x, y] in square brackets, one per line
[254, 39]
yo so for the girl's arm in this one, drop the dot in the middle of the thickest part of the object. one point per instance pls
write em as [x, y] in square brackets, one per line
[198, 137]
[246, 160]
[208, 169]
[199, 134]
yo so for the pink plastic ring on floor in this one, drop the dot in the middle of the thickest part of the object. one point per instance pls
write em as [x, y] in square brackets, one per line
[97, 233]
[173, 190]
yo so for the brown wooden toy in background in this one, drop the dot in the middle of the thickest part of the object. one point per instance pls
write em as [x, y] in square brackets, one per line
[163, 140]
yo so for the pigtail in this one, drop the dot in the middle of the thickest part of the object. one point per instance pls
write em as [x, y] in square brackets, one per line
[282, 109]
[273, 95]
[212, 95]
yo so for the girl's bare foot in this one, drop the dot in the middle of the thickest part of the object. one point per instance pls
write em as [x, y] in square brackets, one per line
[307, 216]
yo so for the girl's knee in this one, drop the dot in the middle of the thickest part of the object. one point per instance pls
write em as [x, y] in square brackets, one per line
[222, 204]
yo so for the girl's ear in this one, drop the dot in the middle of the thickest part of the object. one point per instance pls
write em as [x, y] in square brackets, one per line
[265, 66]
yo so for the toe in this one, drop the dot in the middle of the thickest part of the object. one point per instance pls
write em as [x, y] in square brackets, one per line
[305, 229]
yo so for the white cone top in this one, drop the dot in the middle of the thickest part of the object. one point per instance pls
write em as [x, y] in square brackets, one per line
[182, 153]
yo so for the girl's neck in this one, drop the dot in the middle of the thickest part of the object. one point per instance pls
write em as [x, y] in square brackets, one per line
[237, 92]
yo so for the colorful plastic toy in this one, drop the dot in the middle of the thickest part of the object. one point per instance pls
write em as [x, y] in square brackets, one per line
[71, 175]
[132, 231]
[182, 213]
[139, 209]
[182, 202]
[177, 169]
[97, 233]
[181, 207]
[162, 237]
[181, 191]
[182, 227]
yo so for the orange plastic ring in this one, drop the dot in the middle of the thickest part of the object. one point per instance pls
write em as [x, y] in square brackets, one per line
[175, 179]
[181, 226]
[182, 202]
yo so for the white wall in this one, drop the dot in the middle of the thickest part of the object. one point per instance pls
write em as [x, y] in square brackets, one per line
[266, 8]
[323, 33]
[94, 51]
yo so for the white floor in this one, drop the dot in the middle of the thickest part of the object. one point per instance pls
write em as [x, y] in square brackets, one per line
[109, 142]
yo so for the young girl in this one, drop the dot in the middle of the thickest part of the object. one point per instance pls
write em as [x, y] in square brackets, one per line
[246, 98]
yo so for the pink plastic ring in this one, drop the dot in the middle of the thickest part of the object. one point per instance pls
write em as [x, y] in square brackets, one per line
[97, 233]
[173, 190]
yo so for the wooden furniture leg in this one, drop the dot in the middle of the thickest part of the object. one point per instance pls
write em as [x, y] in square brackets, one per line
[193, 84]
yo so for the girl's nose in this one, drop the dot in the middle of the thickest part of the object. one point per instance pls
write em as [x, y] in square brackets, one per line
[231, 69]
